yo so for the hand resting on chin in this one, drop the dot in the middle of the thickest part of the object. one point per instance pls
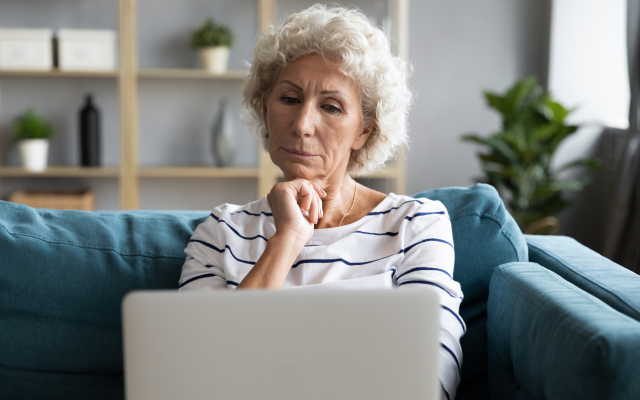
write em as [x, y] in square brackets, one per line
[296, 206]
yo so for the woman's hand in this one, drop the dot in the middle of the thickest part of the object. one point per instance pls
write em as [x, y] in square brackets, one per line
[296, 206]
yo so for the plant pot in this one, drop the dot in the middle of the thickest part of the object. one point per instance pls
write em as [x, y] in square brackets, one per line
[33, 153]
[215, 59]
[552, 225]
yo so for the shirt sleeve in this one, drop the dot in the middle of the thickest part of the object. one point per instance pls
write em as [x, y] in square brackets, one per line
[202, 269]
[428, 262]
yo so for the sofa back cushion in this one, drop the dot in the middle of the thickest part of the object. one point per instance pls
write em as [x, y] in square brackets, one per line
[63, 275]
[484, 236]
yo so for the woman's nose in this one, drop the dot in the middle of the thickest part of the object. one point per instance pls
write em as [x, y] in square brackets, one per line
[306, 120]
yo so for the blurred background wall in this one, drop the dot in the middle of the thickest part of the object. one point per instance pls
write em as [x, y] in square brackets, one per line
[457, 48]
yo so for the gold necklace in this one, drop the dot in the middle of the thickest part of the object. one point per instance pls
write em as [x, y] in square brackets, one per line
[355, 193]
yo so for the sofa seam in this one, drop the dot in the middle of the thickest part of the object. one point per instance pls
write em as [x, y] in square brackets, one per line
[88, 247]
[44, 371]
[95, 213]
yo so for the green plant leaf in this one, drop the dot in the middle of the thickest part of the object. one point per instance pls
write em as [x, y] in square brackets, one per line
[210, 34]
[30, 126]
[497, 102]
[516, 160]
[474, 139]
[500, 146]
[593, 163]
[519, 92]
[558, 112]
[494, 158]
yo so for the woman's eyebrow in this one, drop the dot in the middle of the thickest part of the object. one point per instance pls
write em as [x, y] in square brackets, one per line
[292, 84]
[334, 92]
[323, 92]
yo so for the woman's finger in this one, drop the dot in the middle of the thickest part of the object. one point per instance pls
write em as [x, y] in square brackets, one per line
[318, 204]
[318, 189]
[305, 192]
[321, 210]
[313, 209]
[317, 192]
[314, 206]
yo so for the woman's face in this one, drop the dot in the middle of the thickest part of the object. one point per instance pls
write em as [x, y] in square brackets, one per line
[314, 119]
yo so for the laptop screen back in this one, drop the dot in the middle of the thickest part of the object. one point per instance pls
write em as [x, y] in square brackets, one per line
[290, 344]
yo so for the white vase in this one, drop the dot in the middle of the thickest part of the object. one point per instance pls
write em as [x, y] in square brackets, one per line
[34, 154]
[215, 59]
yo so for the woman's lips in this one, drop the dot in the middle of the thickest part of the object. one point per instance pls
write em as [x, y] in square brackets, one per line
[299, 153]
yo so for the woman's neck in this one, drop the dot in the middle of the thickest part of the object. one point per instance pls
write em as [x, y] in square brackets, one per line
[338, 202]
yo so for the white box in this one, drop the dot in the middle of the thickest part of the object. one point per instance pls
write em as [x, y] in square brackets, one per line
[86, 50]
[26, 49]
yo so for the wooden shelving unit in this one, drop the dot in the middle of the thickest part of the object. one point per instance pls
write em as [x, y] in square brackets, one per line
[198, 172]
[56, 73]
[190, 74]
[129, 172]
[62, 172]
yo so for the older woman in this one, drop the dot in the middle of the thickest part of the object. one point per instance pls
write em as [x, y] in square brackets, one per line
[329, 100]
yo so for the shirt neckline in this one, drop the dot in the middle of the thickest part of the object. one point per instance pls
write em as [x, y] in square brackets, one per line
[355, 224]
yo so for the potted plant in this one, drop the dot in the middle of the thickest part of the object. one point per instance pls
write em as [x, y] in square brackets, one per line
[32, 134]
[214, 41]
[517, 158]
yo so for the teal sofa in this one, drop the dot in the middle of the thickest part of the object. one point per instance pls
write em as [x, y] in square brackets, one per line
[546, 317]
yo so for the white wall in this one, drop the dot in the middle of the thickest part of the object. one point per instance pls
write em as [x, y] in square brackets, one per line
[588, 70]
[459, 48]
[588, 60]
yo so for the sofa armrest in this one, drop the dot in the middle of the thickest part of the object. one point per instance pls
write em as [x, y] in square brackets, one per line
[588, 270]
[551, 340]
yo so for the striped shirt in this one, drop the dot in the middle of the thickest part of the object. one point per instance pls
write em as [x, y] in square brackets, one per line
[403, 242]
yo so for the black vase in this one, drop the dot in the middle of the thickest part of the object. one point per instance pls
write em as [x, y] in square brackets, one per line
[89, 134]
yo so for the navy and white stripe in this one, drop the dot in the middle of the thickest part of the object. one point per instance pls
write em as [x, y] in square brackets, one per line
[402, 243]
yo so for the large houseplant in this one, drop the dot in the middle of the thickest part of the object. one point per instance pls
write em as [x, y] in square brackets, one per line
[517, 158]
[32, 134]
[214, 41]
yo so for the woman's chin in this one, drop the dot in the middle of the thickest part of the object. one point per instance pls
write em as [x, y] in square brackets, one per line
[293, 170]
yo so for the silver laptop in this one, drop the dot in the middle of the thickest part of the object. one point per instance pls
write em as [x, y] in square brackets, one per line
[281, 345]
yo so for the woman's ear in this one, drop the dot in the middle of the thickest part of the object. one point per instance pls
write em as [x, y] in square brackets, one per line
[361, 139]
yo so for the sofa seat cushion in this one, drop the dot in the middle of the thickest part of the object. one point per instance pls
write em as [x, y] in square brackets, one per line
[63, 275]
[551, 340]
[588, 270]
[484, 236]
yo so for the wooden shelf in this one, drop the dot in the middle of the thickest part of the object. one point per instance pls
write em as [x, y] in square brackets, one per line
[190, 74]
[197, 172]
[57, 73]
[62, 172]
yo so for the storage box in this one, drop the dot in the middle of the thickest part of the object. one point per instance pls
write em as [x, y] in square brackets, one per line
[26, 49]
[81, 200]
[86, 50]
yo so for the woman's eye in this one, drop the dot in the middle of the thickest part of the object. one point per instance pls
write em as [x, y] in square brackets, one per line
[332, 109]
[289, 100]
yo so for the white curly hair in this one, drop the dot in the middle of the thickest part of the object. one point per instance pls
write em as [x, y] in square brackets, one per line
[364, 55]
